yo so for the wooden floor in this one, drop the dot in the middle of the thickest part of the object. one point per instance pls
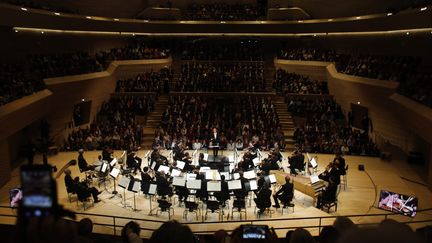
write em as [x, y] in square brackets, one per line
[360, 197]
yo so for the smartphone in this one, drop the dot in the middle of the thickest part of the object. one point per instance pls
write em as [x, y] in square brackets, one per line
[254, 231]
[39, 192]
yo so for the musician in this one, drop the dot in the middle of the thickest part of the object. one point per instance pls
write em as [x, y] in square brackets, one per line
[82, 187]
[202, 193]
[263, 200]
[247, 163]
[254, 143]
[328, 194]
[145, 176]
[296, 161]
[241, 194]
[224, 162]
[182, 192]
[201, 161]
[82, 163]
[214, 141]
[331, 172]
[69, 182]
[188, 162]
[163, 186]
[285, 193]
[133, 161]
[178, 151]
[270, 164]
[341, 162]
[223, 195]
[107, 154]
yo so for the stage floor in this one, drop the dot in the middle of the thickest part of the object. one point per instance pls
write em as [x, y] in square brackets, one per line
[358, 198]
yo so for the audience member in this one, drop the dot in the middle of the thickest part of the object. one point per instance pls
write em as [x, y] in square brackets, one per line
[131, 233]
[221, 11]
[174, 232]
[212, 77]
[146, 82]
[301, 235]
[298, 84]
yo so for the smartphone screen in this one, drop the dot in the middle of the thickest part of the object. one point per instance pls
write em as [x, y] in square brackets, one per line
[38, 190]
[254, 231]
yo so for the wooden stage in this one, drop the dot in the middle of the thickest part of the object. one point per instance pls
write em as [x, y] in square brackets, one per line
[359, 198]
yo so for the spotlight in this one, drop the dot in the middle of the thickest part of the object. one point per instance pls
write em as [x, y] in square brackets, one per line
[16, 31]
[407, 33]
[42, 32]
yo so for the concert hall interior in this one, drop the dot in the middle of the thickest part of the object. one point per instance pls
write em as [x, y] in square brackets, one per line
[216, 121]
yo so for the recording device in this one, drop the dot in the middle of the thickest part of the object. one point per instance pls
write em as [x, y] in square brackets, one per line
[250, 231]
[39, 192]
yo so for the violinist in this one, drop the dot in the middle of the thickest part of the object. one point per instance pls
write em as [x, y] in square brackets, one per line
[331, 172]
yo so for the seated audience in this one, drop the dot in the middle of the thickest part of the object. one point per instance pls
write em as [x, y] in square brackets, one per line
[146, 82]
[298, 84]
[221, 11]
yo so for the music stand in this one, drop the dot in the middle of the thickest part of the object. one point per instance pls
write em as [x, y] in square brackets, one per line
[150, 189]
[214, 186]
[135, 189]
[234, 185]
[124, 183]
[114, 174]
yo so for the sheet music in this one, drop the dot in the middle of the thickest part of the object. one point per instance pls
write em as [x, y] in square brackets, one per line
[113, 162]
[104, 167]
[179, 181]
[191, 176]
[164, 168]
[227, 175]
[180, 164]
[212, 175]
[214, 186]
[236, 176]
[206, 156]
[193, 184]
[204, 169]
[153, 165]
[231, 158]
[314, 179]
[256, 161]
[313, 162]
[124, 182]
[272, 178]
[136, 186]
[152, 189]
[253, 185]
[234, 185]
[115, 172]
[175, 172]
[249, 174]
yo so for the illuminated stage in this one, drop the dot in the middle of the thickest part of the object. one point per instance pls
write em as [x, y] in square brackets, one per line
[360, 197]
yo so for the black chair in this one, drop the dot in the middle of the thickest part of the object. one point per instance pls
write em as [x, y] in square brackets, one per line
[70, 193]
[165, 206]
[344, 178]
[328, 205]
[287, 206]
[239, 206]
[191, 207]
[84, 197]
[213, 207]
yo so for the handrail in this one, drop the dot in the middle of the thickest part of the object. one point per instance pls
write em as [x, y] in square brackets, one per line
[318, 225]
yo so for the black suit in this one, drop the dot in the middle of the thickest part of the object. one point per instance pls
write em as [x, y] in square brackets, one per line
[327, 195]
[285, 194]
[163, 186]
[263, 200]
[69, 183]
[223, 195]
[82, 163]
[214, 138]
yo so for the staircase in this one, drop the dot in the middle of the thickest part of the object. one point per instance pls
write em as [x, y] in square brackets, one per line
[286, 121]
[153, 121]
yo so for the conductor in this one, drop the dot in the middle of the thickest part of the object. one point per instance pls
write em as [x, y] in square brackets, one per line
[214, 141]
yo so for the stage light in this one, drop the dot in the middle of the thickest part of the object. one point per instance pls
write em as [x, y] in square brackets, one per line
[16, 31]
[330, 20]
[23, 9]
[423, 9]
[389, 14]
[407, 33]
[315, 34]
[58, 14]
[222, 22]
[300, 21]
[116, 19]
[182, 22]
[146, 21]
[88, 17]
[358, 102]
[262, 22]
[358, 17]
[82, 100]
[42, 32]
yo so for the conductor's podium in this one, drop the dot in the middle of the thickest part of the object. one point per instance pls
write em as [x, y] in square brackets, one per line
[301, 183]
